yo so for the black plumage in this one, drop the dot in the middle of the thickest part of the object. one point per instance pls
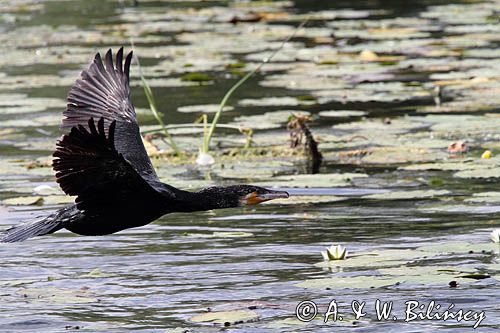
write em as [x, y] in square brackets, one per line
[102, 161]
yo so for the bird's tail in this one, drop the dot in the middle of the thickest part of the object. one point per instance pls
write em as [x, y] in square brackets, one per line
[38, 227]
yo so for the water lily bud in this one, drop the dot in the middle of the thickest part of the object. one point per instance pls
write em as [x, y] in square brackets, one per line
[486, 154]
[45, 190]
[204, 159]
[495, 235]
[367, 55]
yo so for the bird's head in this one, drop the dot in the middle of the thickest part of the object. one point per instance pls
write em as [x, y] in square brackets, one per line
[249, 195]
[237, 195]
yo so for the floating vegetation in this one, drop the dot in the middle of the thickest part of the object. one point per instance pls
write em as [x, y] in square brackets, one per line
[341, 113]
[319, 180]
[226, 318]
[407, 195]
[207, 108]
[221, 234]
[197, 77]
[388, 90]
[58, 295]
[397, 268]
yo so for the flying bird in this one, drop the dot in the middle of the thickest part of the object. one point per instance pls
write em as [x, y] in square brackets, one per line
[102, 161]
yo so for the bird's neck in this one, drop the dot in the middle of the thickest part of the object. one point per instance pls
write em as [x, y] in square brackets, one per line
[205, 199]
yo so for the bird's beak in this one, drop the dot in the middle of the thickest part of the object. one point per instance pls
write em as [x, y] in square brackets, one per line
[255, 198]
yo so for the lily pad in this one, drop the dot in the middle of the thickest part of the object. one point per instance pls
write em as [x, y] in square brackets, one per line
[426, 270]
[16, 282]
[458, 247]
[268, 120]
[317, 180]
[24, 201]
[203, 108]
[407, 195]
[96, 273]
[58, 295]
[479, 173]
[275, 101]
[221, 234]
[305, 199]
[355, 282]
[341, 113]
[381, 258]
[39, 200]
[453, 165]
[226, 318]
[484, 197]
[197, 77]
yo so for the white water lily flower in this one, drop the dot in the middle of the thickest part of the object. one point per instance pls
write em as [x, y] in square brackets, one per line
[334, 252]
[204, 159]
[495, 235]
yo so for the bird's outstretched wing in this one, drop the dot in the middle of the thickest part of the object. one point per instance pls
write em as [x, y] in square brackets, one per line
[103, 91]
[88, 165]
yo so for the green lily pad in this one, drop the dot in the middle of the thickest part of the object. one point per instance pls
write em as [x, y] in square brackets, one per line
[455, 165]
[429, 280]
[24, 201]
[267, 120]
[407, 195]
[317, 180]
[58, 199]
[16, 282]
[484, 197]
[58, 295]
[96, 273]
[39, 200]
[458, 247]
[287, 322]
[493, 267]
[479, 173]
[462, 209]
[275, 101]
[197, 77]
[356, 282]
[381, 258]
[394, 155]
[341, 113]
[204, 108]
[226, 318]
[305, 199]
[426, 270]
[221, 234]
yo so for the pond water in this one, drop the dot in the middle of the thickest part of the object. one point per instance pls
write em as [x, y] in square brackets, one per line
[414, 218]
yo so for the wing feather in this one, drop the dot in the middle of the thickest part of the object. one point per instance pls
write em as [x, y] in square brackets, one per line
[88, 165]
[103, 91]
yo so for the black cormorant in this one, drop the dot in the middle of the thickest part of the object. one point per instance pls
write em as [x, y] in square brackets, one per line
[102, 161]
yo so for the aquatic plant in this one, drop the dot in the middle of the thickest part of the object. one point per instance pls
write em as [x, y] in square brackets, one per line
[486, 154]
[495, 235]
[152, 106]
[334, 252]
[196, 77]
[204, 158]
[208, 135]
